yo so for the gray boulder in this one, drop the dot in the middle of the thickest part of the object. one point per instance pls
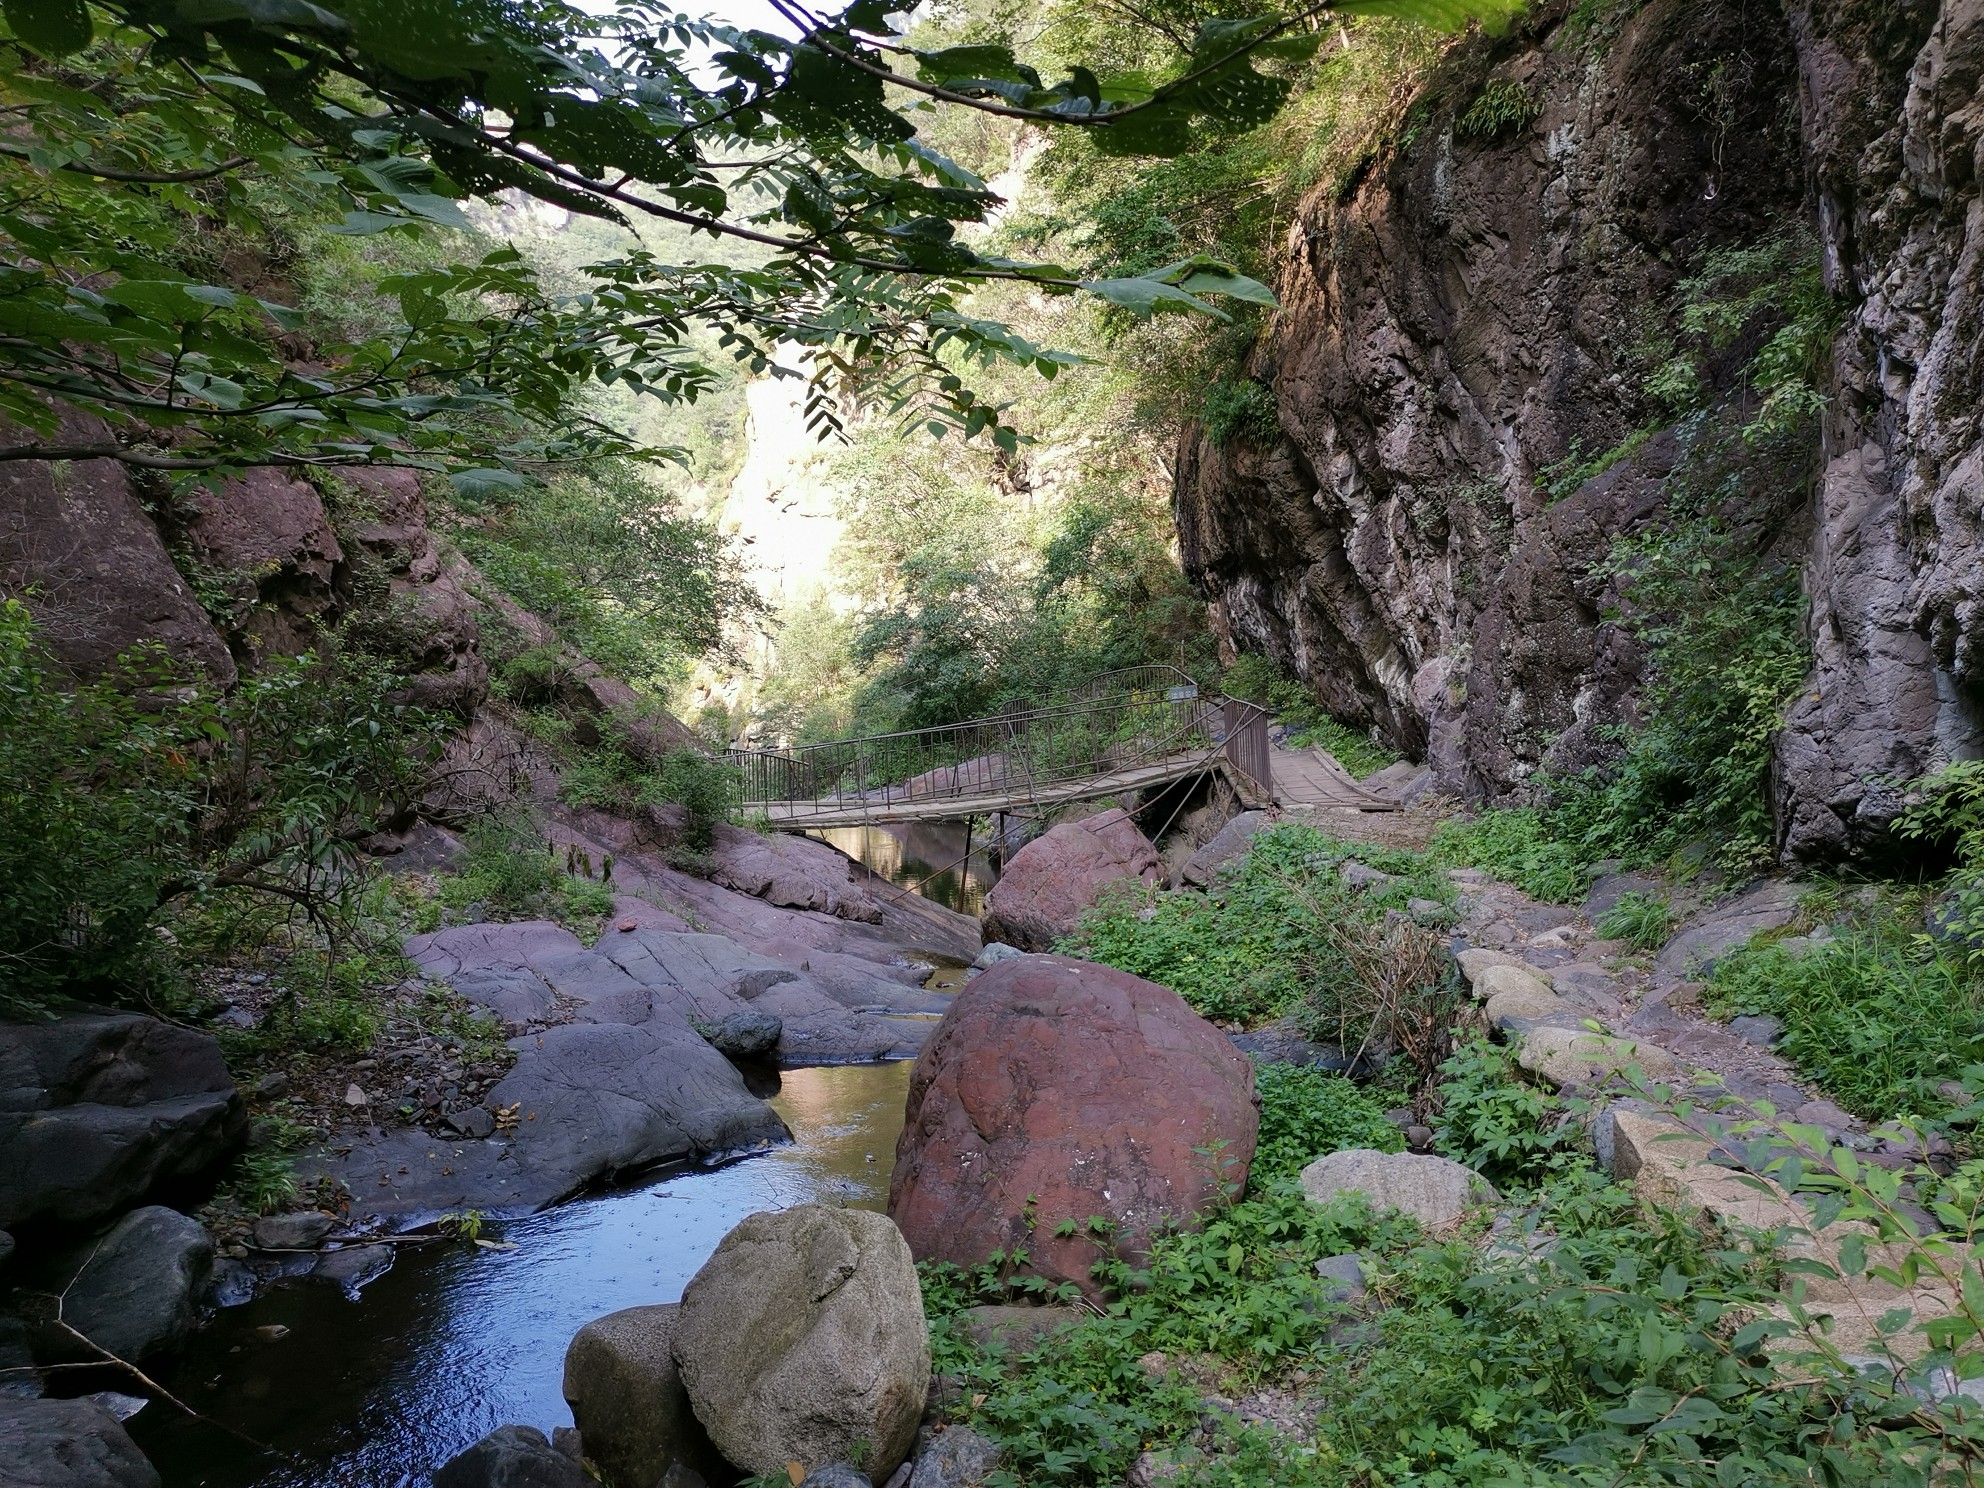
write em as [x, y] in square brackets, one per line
[1346, 1275]
[512, 1457]
[18, 1376]
[1231, 841]
[1436, 1191]
[304, 1231]
[100, 1109]
[627, 1397]
[137, 1289]
[956, 1458]
[1719, 930]
[993, 954]
[802, 1339]
[747, 1035]
[68, 1444]
[836, 1475]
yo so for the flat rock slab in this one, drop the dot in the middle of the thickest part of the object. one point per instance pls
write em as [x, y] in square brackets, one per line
[68, 1444]
[1230, 843]
[1565, 1056]
[1723, 928]
[593, 1102]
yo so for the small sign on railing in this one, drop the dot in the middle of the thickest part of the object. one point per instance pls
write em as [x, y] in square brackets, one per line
[1182, 694]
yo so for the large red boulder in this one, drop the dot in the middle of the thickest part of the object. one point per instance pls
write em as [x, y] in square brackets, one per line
[1042, 892]
[1054, 1090]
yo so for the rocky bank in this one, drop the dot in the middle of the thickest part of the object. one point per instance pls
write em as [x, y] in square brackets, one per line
[1467, 312]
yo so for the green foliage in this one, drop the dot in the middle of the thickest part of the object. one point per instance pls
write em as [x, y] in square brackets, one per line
[1510, 1132]
[1568, 474]
[704, 787]
[263, 1182]
[1947, 809]
[1259, 680]
[1642, 920]
[1269, 938]
[1520, 846]
[1500, 106]
[1772, 291]
[1240, 409]
[507, 862]
[1877, 1015]
[615, 568]
[1308, 1113]
[145, 786]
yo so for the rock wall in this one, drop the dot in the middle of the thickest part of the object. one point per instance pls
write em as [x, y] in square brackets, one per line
[1472, 309]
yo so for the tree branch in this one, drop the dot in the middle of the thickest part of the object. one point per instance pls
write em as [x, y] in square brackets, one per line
[142, 178]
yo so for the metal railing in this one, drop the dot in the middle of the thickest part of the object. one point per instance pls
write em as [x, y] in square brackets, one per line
[1113, 726]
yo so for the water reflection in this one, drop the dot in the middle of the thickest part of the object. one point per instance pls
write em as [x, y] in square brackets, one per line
[455, 1341]
[926, 856]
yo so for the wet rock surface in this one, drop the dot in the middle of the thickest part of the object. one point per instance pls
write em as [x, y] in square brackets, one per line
[511, 1457]
[68, 1444]
[135, 1290]
[1065, 1089]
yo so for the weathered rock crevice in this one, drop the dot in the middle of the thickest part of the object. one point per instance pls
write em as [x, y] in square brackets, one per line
[1473, 317]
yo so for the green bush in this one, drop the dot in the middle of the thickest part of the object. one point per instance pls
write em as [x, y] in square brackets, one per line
[146, 786]
[1518, 845]
[705, 787]
[1507, 1130]
[1308, 1113]
[1240, 409]
[1267, 938]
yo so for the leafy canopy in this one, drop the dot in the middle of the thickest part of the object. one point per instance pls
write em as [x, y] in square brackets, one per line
[132, 117]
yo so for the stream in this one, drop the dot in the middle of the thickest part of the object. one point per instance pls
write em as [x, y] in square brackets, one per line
[456, 1340]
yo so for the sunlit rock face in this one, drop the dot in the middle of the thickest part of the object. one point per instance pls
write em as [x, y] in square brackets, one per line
[1467, 319]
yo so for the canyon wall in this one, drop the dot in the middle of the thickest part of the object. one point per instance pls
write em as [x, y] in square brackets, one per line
[1467, 315]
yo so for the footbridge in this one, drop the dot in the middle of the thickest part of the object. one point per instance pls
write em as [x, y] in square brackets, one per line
[1124, 731]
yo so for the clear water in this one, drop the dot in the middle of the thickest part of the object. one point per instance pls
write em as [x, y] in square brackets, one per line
[929, 857]
[456, 1340]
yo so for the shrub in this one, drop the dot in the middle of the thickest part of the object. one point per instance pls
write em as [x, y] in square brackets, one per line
[1308, 1113]
[1517, 845]
[706, 788]
[1504, 104]
[1878, 1017]
[145, 786]
[1509, 1131]
[1267, 938]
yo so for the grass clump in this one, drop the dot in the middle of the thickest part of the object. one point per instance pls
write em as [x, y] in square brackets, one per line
[1270, 937]
[1879, 1015]
[1643, 921]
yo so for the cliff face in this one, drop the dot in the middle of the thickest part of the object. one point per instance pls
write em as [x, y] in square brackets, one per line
[1474, 311]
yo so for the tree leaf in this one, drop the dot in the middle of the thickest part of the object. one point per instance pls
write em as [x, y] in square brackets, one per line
[54, 28]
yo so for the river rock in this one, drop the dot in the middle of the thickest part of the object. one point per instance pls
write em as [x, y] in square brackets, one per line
[1042, 892]
[1566, 1056]
[836, 1475]
[957, 1458]
[1054, 1090]
[749, 1035]
[18, 1376]
[995, 952]
[1436, 1191]
[1718, 930]
[627, 1396]
[304, 1231]
[68, 1444]
[792, 872]
[136, 1290]
[1232, 841]
[512, 1457]
[98, 1110]
[802, 1339]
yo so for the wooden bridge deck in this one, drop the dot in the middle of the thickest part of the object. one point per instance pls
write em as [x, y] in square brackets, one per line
[1312, 777]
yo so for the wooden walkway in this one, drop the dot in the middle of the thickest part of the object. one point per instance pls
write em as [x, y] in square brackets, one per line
[1312, 777]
